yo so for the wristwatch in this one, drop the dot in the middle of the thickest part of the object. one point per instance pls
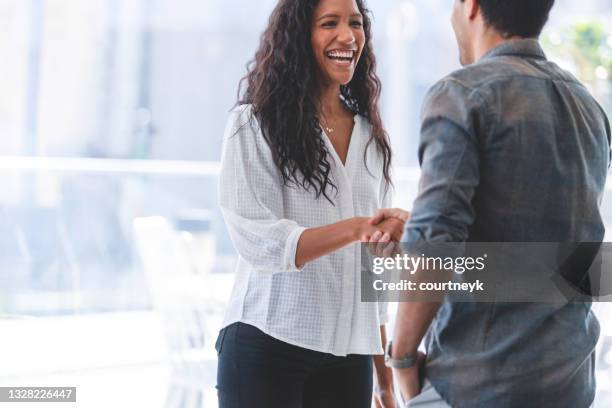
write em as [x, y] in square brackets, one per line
[405, 362]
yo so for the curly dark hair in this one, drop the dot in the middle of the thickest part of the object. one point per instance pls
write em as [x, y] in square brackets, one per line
[281, 85]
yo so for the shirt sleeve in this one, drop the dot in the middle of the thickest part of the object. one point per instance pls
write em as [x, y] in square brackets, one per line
[251, 198]
[449, 158]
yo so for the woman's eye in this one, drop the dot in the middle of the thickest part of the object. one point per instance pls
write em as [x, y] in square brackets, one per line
[356, 24]
[329, 24]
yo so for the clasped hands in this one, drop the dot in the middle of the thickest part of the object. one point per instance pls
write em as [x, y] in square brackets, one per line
[384, 230]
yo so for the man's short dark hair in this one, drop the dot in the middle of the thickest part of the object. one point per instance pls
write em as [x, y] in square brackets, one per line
[523, 18]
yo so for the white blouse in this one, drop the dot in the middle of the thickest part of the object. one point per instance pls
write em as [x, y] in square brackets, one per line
[319, 306]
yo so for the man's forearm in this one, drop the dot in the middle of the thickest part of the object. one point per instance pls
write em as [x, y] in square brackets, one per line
[413, 321]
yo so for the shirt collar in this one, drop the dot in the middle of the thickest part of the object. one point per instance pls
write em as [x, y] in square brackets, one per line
[527, 48]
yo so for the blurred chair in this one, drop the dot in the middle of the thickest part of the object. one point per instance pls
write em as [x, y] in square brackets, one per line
[178, 294]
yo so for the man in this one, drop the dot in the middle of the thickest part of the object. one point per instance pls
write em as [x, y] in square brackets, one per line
[513, 149]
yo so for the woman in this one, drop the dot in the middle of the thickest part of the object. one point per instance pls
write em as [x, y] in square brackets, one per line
[306, 161]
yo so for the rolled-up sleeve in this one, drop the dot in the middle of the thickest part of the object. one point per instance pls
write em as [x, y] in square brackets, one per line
[449, 159]
[251, 198]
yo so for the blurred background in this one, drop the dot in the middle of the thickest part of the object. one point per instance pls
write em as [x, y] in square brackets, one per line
[115, 265]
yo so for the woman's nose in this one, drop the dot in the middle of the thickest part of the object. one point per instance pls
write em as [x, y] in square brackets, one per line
[346, 35]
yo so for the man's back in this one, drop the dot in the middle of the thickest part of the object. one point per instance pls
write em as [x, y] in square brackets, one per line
[513, 150]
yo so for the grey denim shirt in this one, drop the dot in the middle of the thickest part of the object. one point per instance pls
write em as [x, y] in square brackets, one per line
[513, 149]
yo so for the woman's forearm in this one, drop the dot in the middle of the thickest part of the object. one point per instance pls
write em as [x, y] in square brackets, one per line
[384, 375]
[320, 241]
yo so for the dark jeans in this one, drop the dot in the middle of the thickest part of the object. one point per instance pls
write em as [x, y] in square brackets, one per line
[258, 371]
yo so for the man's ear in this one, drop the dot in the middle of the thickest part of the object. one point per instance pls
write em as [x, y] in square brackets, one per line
[472, 9]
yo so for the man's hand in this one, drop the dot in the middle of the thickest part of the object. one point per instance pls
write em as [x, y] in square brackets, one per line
[387, 213]
[389, 225]
[409, 379]
[390, 222]
[390, 229]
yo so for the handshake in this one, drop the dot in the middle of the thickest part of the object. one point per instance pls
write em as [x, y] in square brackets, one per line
[386, 226]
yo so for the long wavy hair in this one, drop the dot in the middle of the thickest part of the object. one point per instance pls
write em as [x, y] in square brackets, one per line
[281, 86]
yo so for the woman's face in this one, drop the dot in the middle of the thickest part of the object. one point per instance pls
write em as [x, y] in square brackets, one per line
[337, 40]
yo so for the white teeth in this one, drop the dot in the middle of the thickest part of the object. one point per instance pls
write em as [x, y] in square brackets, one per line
[341, 54]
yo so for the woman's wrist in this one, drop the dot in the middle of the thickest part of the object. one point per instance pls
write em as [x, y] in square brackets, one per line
[358, 225]
[384, 379]
[383, 374]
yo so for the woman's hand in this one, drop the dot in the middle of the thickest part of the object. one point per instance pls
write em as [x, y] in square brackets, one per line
[384, 397]
[390, 229]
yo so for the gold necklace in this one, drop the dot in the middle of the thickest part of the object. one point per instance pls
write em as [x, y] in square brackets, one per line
[328, 128]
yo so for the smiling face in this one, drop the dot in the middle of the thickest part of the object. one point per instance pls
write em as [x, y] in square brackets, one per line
[337, 38]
